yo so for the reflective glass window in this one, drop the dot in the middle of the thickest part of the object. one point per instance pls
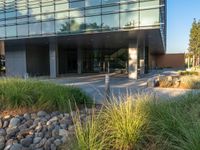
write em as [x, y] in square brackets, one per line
[77, 24]
[22, 30]
[47, 9]
[22, 12]
[110, 22]
[34, 11]
[35, 18]
[149, 4]
[76, 13]
[110, 9]
[131, 6]
[2, 16]
[78, 4]
[10, 14]
[129, 19]
[62, 26]
[22, 20]
[149, 17]
[61, 7]
[61, 15]
[11, 31]
[95, 11]
[48, 27]
[2, 32]
[49, 16]
[109, 1]
[35, 28]
[93, 22]
[92, 2]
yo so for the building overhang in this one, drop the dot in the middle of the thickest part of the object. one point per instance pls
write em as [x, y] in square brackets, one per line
[103, 40]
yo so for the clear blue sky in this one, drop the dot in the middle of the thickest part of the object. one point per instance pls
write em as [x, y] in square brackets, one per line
[180, 17]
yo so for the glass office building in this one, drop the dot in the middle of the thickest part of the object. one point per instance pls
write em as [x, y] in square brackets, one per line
[68, 36]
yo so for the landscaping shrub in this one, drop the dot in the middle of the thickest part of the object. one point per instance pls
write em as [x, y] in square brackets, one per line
[144, 123]
[185, 73]
[18, 93]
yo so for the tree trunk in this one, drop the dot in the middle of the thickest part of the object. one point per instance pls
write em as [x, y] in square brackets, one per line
[193, 63]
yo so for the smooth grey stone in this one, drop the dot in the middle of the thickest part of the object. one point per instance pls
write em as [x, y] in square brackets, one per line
[14, 122]
[16, 146]
[26, 142]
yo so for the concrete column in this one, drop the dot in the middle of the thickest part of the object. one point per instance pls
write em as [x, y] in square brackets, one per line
[15, 57]
[79, 61]
[53, 57]
[2, 49]
[133, 60]
[142, 58]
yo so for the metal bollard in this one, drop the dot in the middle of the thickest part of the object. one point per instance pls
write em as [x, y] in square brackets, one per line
[107, 87]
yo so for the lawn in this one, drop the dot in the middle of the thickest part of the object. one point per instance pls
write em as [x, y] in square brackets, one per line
[38, 95]
[142, 122]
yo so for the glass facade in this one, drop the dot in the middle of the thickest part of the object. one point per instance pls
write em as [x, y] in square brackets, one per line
[27, 18]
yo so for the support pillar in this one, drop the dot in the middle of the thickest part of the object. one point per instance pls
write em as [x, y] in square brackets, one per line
[133, 60]
[79, 61]
[142, 58]
[15, 59]
[53, 57]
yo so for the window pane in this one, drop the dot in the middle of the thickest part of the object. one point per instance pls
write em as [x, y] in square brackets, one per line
[92, 2]
[48, 27]
[2, 32]
[149, 17]
[129, 19]
[61, 7]
[149, 4]
[22, 30]
[74, 5]
[110, 22]
[61, 15]
[96, 11]
[77, 24]
[76, 13]
[109, 1]
[62, 26]
[132, 6]
[11, 31]
[93, 23]
[110, 9]
[35, 28]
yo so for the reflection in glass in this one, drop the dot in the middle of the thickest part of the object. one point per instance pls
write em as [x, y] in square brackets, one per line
[126, 7]
[77, 25]
[149, 17]
[92, 2]
[22, 30]
[76, 13]
[95, 11]
[2, 32]
[110, 22]
[35, 28]
[62, 26]
[93, 23]
[61, 15]
[11, 31]
[48, 27]
[129, 19]
[109, 1]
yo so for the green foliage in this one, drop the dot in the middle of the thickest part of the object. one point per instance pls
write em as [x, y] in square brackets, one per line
[194, 45]
[184, 73]
[143, 122]
[18, 93]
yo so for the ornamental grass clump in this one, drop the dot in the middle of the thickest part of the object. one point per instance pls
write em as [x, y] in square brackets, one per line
[39, 95]
[89, 134]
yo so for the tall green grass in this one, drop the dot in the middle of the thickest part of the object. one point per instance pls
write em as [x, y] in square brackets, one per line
[143, 122]
[18, 93]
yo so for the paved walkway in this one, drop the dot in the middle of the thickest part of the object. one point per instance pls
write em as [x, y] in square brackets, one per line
[120, 84]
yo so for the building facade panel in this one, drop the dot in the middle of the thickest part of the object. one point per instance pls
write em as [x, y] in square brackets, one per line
[54, 17]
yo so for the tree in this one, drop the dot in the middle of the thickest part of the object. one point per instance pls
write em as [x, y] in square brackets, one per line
[194, 45]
